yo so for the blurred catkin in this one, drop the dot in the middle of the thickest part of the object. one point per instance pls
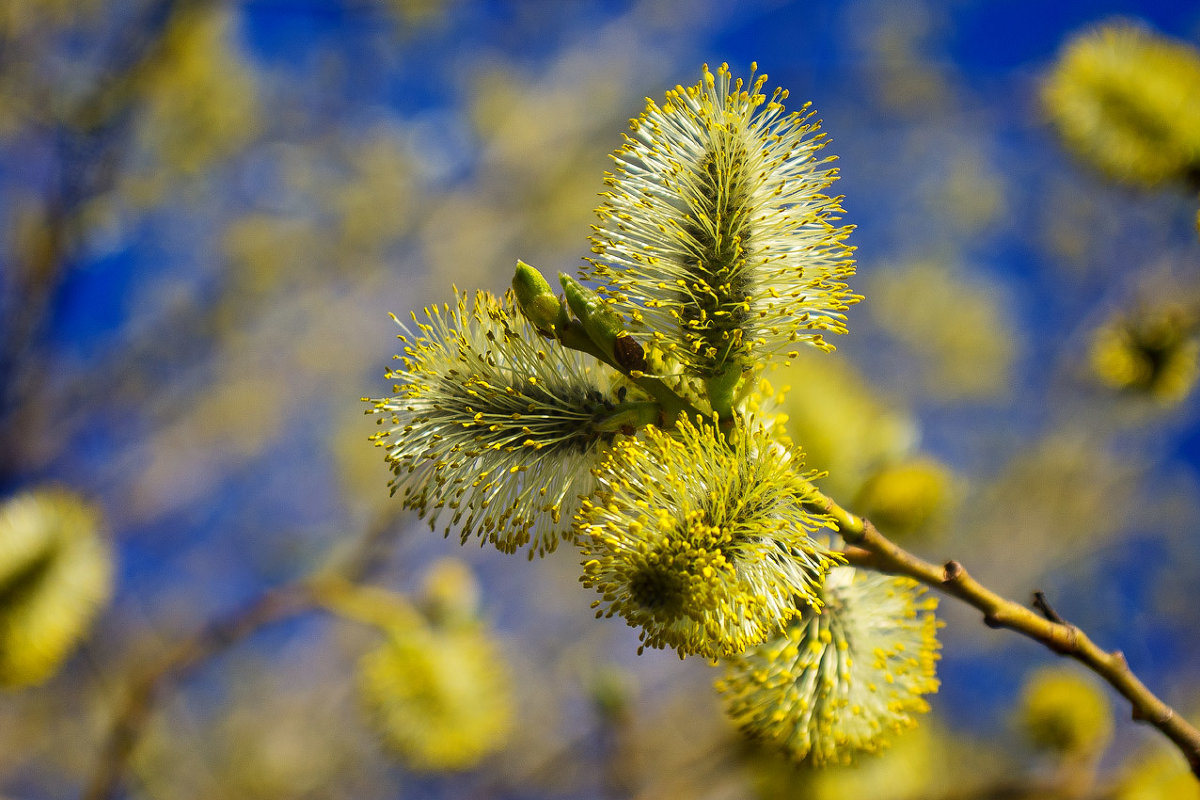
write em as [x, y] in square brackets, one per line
[55, 575]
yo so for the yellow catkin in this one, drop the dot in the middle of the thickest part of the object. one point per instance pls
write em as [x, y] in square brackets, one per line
[703, 543]
[1061, 710]
[440, 699]
[1123, 98]
[488, 430]
[716, 232]
[1152, 351]
[55, 575]
[841, 681]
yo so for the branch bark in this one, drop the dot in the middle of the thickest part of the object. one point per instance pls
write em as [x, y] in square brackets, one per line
[867, 547]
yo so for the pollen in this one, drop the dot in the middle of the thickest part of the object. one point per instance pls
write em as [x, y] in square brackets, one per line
[490, 423]
[796, 697]
[702, 545]
[719, 208]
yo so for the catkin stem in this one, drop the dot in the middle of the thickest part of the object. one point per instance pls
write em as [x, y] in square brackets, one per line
[574, 337]
[721, 391]
[867, 547]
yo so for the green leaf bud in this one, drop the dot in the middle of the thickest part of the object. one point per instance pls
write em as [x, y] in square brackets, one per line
[537, 300]
[603, 325]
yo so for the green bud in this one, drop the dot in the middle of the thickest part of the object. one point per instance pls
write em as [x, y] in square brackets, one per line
[591, 310]
[537, 300]
[603, 325]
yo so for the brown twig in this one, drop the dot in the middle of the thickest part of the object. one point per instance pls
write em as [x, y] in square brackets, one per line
[91, 136]
[867, 547]
[141, 699]
[1043, 605]
[273, 605]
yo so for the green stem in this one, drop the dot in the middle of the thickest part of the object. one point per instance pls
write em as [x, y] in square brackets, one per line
[721, 389]
[630, 415]
[599, 332]
[575, 337]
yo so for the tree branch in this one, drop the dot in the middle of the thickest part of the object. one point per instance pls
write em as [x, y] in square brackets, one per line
[140, 701]
[867, 547]
[273, 605]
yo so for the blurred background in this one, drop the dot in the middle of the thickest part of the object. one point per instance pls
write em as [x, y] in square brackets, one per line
[208, 208]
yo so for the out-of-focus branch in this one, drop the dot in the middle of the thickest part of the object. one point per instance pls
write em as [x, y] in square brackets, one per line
[144, 692]
[273, 605]
[867, 547]
[90, 135]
